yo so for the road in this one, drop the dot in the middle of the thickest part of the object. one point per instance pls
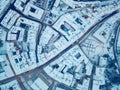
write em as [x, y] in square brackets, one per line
[78, 41]
[117, 56]
[90, 30]
[91, 78]
[21, 84]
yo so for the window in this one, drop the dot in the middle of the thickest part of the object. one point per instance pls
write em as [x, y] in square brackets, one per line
[20, 59]
[16, 60]
[78, 55]
[14, 53]
[78, 21]
[11, 88]
[32, 9]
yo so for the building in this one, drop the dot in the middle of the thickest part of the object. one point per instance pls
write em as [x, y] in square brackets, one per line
[38, 84]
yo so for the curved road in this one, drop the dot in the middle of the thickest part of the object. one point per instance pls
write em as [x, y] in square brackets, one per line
[89, 31]
[117, 56]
